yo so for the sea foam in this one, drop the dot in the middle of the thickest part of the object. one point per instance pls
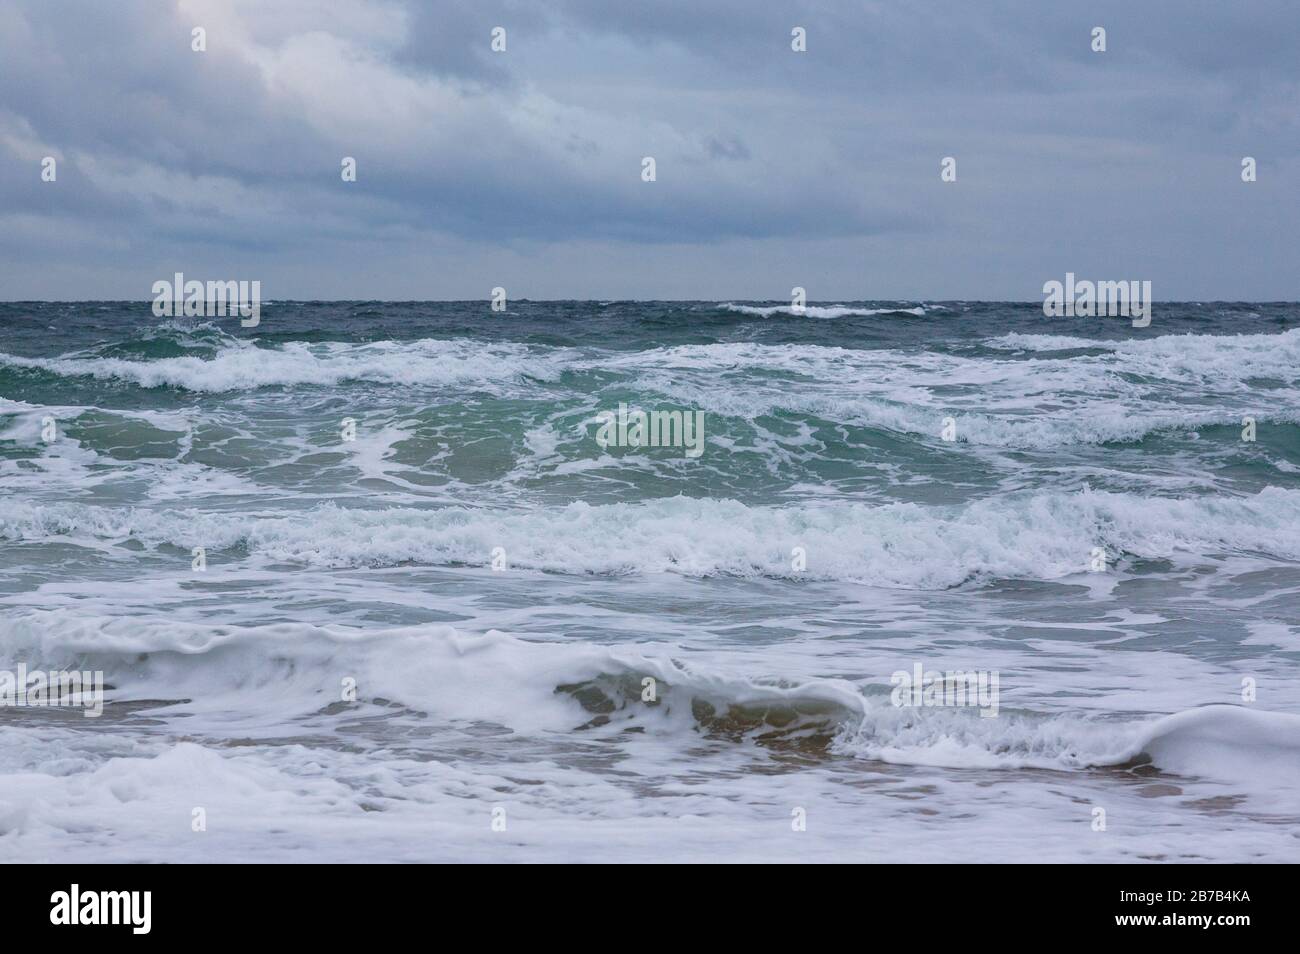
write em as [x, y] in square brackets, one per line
[1042, 536]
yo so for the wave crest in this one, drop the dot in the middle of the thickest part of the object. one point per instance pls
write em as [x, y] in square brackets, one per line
[1043, 536]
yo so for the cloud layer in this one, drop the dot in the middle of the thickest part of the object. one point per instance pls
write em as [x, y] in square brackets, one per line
[523, 168]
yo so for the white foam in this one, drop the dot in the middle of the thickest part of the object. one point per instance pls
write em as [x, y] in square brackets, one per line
[1215, 359]
[1027, 536]
[1258, 749]
[818, 311]
[1038, 402]
[1012, 402]
[270, 672]
[241, 365]
[685, 786]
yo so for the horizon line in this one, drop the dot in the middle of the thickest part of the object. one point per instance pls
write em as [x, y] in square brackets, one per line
[606, 300]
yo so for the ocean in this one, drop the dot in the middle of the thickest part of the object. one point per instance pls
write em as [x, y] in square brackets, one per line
[364, 584]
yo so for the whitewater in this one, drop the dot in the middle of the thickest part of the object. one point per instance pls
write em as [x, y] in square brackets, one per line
[469, 631]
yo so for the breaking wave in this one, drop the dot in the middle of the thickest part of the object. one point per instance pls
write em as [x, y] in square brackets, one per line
[1042, 536]
[532, 686]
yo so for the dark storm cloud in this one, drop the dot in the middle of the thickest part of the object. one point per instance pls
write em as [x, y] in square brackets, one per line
[819, 167]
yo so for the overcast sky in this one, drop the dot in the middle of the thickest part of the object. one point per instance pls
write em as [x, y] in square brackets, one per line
[774, 168]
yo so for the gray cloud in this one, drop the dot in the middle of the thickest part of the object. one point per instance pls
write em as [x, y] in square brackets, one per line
[523, 168]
